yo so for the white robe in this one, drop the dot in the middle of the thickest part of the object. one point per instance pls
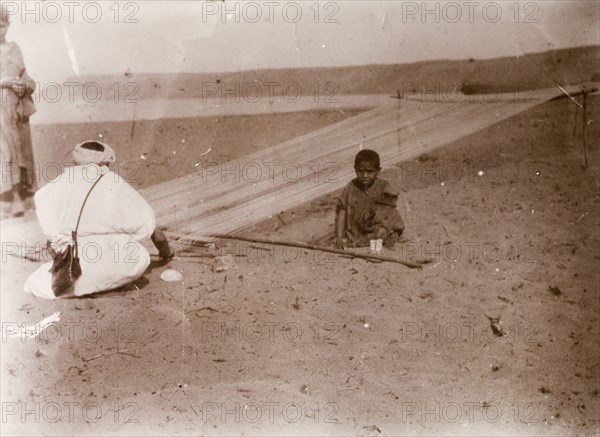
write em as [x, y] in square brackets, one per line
[114, 219]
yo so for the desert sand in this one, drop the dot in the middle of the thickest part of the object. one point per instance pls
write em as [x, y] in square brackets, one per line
[282, 341]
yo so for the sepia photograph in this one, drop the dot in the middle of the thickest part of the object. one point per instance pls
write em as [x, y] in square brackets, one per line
[300, 218]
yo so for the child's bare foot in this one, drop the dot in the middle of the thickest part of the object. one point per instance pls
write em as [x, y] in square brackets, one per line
[339, 244]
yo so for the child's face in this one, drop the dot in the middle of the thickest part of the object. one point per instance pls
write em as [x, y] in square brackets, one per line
[366, 172]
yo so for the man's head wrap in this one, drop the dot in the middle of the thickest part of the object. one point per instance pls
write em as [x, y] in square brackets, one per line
[93, 152]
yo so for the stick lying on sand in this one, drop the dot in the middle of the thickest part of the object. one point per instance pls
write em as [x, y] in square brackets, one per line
[322, 249]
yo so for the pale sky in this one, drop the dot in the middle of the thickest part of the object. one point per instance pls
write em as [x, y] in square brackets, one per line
[197, 36]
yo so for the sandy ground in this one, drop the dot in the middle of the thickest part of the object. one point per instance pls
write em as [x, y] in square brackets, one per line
[282, 341]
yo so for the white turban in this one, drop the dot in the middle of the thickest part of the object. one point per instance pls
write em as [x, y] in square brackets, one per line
[93, 152]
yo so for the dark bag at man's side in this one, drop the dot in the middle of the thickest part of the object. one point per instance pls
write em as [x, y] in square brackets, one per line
[65, 270]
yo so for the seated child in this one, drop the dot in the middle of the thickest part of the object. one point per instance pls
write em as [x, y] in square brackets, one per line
[366, 210]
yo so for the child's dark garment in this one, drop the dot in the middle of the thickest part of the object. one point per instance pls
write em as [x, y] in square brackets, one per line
[369, 209]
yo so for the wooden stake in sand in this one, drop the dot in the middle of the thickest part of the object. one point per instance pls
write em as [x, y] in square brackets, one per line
[132, 133]
[322, 249]
[585, 163]
[584, 118]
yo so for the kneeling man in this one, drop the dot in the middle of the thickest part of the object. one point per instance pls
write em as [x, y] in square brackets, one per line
[110, 219]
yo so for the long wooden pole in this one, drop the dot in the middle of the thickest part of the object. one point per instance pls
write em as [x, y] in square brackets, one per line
[322, 249]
